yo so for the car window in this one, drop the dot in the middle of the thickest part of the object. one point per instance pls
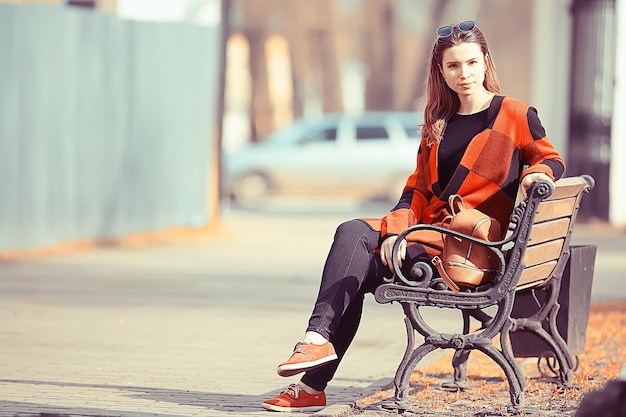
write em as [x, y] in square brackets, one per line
[371, 132]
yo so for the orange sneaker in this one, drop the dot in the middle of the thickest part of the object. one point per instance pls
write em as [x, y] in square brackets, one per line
[307, 356]
[294, 398]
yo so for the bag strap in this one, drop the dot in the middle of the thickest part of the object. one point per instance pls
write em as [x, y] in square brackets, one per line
[456, 204]
[444, 275]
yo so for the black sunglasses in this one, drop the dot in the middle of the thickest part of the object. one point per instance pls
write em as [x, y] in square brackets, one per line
[465, 26]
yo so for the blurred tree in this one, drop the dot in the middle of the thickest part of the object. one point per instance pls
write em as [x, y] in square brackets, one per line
[378, 50]
[261, 107]
[420, 71]
[352, 55]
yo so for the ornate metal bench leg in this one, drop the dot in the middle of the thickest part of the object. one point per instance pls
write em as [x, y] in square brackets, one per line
[412, 356]
[507, 352]
[558, 359]
[567, 364]
[512, 372]
[555, 369]
[459, 362]
[402, 379]
[400, 402]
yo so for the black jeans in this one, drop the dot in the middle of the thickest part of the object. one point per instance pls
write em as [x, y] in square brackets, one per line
[352, 269]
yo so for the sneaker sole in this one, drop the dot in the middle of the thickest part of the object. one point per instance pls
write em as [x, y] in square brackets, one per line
[312, 408]
[296, 368]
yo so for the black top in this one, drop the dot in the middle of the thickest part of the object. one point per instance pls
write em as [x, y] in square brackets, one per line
[460, 130]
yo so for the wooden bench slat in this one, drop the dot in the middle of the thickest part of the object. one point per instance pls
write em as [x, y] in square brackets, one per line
[544, 252]
[568, 187]
[549, 230]
[535, 275]
[554, 209]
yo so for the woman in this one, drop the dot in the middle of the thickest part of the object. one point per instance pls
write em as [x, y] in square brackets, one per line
[476, 143]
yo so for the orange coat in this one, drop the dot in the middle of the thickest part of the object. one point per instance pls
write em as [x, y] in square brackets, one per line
[488, 177]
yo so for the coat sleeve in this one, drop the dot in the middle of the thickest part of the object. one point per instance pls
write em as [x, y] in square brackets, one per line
[414, 199]
[537, 152]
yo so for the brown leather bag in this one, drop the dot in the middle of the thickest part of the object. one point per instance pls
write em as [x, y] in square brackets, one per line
[464, 263]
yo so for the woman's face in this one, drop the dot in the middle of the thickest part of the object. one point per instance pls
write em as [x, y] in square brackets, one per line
[463, 68]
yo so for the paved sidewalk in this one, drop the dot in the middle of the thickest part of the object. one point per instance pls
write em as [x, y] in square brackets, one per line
[186, 328]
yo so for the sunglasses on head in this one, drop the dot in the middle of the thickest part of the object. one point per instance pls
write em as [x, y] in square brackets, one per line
[445, 31]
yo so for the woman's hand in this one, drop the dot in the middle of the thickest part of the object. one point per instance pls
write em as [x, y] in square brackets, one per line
[386, 251]
[529, 179]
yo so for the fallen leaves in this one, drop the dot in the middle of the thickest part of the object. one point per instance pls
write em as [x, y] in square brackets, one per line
[602, 361]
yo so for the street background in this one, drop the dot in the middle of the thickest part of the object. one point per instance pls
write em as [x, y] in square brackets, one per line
[196, 326]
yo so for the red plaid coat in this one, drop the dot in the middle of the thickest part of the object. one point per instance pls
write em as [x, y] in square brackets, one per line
[487, 178]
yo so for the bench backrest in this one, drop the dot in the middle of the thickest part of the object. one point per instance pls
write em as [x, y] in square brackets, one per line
[548, 244]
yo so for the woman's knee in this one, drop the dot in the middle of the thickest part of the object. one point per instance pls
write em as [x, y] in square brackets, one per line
[356, 233]
[351, 228]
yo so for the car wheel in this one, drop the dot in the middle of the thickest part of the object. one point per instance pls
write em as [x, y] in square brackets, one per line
[251, 188]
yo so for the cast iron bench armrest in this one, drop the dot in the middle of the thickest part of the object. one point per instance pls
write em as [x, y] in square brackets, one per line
[506, 277]
[493, 246]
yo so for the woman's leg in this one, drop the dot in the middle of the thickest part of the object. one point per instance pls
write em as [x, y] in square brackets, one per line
[352, 269]
[346, 329]
[318, 378]
[350, 261]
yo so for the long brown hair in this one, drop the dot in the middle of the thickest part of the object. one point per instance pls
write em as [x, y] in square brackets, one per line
[441, 101]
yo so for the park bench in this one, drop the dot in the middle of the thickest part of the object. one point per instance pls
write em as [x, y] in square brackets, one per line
[533, 256]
